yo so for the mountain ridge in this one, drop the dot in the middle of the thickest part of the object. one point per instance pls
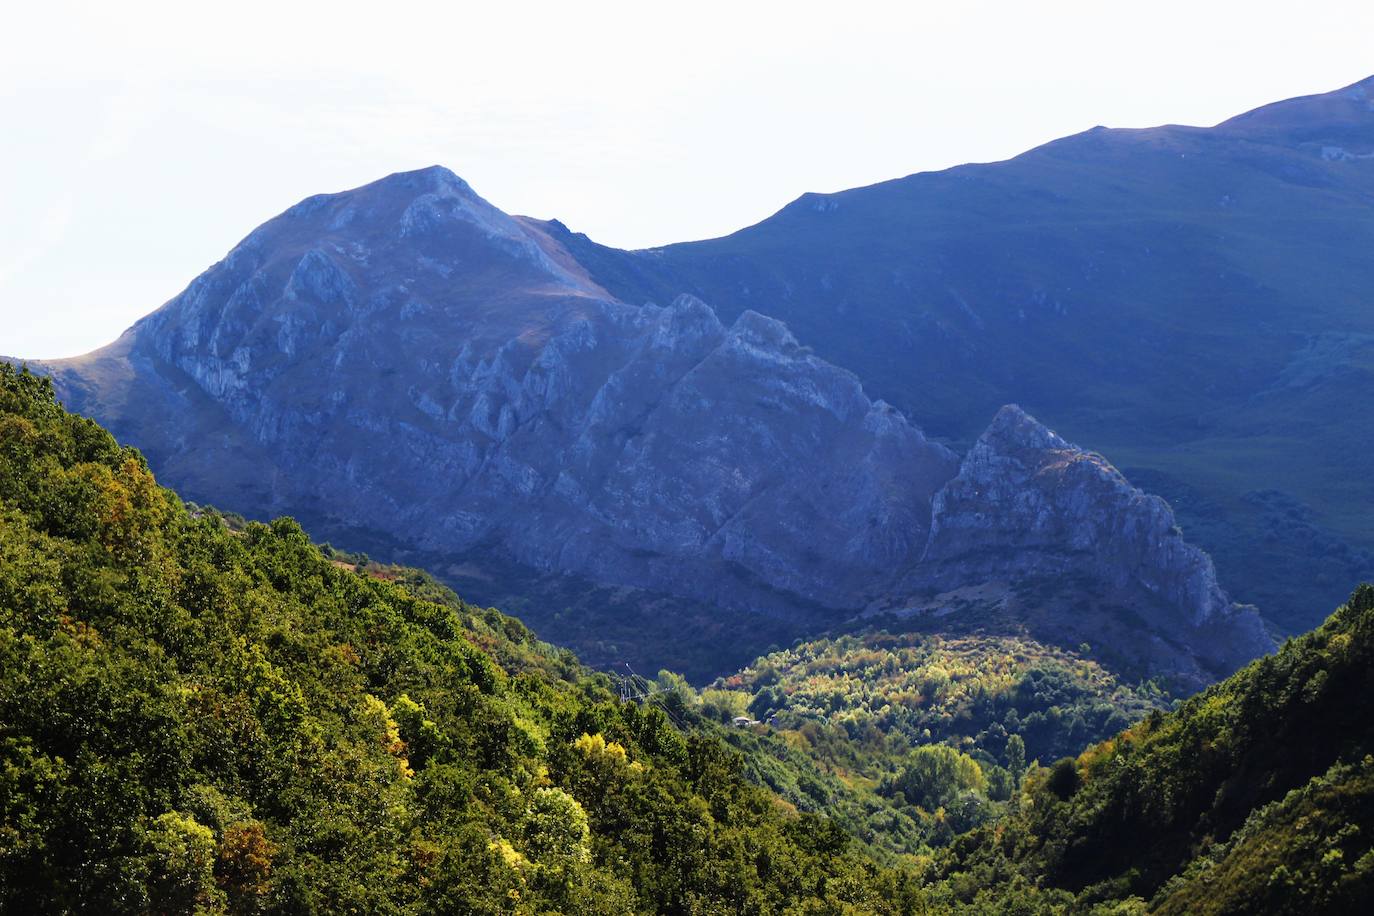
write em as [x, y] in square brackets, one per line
[423, 365]
[368, 287]
[1187, 299]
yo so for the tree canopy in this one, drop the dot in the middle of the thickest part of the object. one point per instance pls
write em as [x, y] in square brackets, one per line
[196, 716]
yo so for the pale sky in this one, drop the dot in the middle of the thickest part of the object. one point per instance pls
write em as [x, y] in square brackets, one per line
[140, 141]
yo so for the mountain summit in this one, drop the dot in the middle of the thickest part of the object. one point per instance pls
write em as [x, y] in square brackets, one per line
[452, 385]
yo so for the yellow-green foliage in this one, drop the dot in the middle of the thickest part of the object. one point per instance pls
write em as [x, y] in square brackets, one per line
[204, 716]
[896, 691]
[842, 717]
[935, 775]
[598, 750]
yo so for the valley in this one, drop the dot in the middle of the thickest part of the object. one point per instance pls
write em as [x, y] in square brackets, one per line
[212, 714]
[964, 543]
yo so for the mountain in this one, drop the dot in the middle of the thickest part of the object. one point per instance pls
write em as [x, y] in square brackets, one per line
[1193, 302]
[1030, 509]
[404, 365]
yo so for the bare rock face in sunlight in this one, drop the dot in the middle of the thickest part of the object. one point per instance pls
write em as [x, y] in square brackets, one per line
[1026, 503]
[424, 365]
[405, 366]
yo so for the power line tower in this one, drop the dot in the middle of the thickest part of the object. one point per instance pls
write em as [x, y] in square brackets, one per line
[635, 688]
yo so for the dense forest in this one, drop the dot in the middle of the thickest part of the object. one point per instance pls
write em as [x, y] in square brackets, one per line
[928, 734]
[194, 718]
[884, 691]
[202, 714]
[1255, 796]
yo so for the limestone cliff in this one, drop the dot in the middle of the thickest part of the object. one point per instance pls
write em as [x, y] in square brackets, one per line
[407, 365]
[1026, 503]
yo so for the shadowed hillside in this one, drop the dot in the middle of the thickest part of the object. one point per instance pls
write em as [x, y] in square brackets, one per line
[1193, 302]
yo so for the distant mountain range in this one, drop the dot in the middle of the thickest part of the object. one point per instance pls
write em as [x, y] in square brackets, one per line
[1197, 303]
[477, 391]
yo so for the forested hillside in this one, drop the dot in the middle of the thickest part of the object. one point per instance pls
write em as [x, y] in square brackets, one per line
[204, 715]
[892, 691]
[194, 718]
[908, 739]
[1256, 796]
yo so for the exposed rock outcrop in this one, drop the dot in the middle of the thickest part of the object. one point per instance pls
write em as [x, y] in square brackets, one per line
[405, 361]
[1027, 503]
[1194, 296]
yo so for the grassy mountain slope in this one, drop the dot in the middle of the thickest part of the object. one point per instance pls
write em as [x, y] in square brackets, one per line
[194, 718]
[1192, 302]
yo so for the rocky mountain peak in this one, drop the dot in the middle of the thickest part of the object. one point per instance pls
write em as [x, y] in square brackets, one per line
[433, 178]
[686, 324]
[1027, 503]
[346, 282]
[1013, 430]
[449, 379]
[757, 330]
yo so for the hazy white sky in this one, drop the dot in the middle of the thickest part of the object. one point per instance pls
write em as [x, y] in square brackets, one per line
[140, 141]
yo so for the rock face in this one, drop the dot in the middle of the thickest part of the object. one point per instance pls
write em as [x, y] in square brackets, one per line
[1025, 503]
[406, 362]
[424, 364]
[1026, 500]
[1195, 296]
